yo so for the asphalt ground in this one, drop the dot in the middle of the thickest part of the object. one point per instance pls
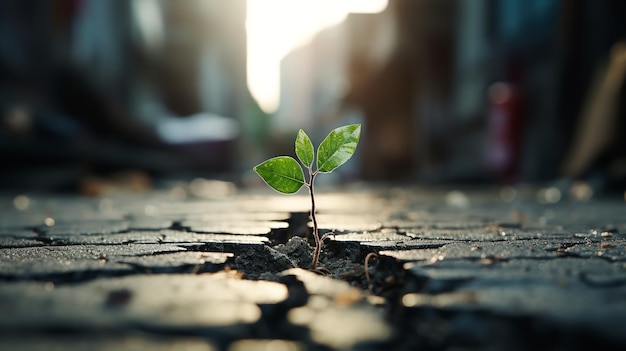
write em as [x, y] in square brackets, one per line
[511, 268]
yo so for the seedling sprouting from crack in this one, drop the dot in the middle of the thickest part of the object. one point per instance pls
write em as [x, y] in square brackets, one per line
[285, 175]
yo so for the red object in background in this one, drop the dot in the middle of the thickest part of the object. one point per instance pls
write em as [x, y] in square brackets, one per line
[505, 131]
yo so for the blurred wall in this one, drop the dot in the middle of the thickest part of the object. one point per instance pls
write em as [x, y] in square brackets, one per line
[448, 91]
[89, 86]
[469, 90]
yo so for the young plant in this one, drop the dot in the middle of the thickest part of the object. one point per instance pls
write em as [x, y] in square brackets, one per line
[285, 175]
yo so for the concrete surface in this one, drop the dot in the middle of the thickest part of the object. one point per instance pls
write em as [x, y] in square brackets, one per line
[456, 269]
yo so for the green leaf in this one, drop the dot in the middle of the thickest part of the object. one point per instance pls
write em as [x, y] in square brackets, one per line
[338, 147]
[282, 173]
[304, 149]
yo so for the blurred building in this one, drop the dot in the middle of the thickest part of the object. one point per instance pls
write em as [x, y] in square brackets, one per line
[89, 86]
[312, 79]
[468, 90]
[448, 91]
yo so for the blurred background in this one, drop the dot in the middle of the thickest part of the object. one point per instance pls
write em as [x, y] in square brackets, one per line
[94, 93]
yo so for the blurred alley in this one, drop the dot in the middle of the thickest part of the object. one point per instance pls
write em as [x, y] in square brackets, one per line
[480, 92]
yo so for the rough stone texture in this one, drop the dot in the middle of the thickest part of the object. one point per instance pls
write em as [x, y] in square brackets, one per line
[337, 314]
[446, 270]
[68, 228]
[240, 227]
[165, 236]
[74, 258]
[149, 301]
[8, 242]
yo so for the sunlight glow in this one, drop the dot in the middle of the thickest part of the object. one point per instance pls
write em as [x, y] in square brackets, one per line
[275, 27]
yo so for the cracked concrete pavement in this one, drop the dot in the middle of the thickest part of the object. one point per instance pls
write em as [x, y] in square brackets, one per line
[471, 270]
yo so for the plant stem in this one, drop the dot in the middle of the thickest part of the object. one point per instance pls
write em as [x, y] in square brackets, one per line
[318, 241]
